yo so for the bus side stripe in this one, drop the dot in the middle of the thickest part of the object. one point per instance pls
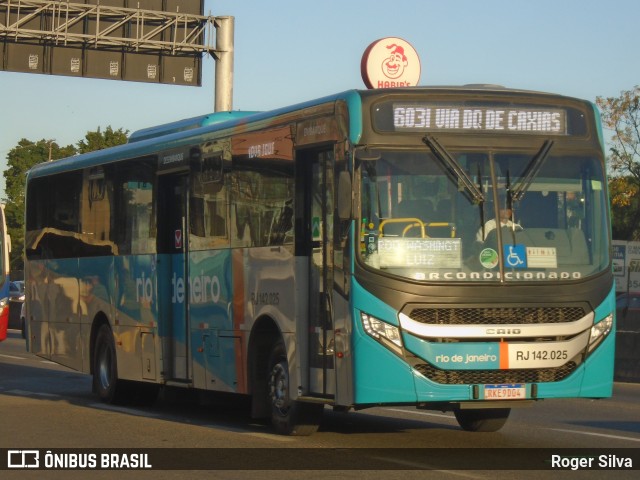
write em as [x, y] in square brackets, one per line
[504, 355]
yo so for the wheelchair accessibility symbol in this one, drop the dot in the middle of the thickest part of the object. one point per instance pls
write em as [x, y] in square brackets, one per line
[515, 256]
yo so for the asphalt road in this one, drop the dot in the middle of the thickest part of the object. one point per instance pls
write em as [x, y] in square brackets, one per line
[48, 407]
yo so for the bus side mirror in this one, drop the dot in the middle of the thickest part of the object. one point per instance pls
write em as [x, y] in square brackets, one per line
[344, 195]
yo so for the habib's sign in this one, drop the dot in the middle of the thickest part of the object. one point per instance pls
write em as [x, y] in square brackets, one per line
[390, 62]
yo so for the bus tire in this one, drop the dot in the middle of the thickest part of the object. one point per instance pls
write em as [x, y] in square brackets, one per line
[482, 420]
[289, 417]
[105, 368]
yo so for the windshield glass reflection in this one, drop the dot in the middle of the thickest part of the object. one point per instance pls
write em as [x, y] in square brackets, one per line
[525, 217]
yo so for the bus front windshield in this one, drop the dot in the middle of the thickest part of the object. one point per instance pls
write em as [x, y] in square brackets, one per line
[483, 216]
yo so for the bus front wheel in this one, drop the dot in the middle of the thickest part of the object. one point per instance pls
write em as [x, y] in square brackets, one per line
[289, 417]
[482, 420]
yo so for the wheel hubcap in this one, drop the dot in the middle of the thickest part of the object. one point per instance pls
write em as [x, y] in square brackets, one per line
[104, 369]
[279, 388]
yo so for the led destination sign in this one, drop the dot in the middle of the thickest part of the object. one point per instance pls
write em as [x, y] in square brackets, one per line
[442, 117]
[420, 252]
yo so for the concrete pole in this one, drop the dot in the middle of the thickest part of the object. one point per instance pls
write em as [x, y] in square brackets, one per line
[224, 64]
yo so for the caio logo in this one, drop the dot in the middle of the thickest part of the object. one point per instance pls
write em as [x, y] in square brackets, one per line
[390, 62]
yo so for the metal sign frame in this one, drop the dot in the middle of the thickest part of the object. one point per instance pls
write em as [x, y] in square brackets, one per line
[108, 39]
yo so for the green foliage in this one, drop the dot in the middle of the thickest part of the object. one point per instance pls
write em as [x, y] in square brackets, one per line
[26, 155]
[98, 141]
[625, 207]
[621, 115]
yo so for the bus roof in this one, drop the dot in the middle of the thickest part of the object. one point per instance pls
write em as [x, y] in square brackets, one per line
[172, 135]
[178, 134]
[187, 124]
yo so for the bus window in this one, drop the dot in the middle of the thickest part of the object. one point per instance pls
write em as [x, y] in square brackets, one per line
[134, 187]
[54, 231]
[96, 211]
[208, 213]
[262, 206]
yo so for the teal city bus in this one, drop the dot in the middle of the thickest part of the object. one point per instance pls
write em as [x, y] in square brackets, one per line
[445, 248]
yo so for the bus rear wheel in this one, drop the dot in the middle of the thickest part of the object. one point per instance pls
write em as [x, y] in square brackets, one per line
[105, 368]
[482, 420]
[289, 417]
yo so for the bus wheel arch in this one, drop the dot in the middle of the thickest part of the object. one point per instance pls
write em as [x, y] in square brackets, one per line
[106, 383]
[289, 417]
[268, 373]
[98, 322]
[105, 365]
[264, 335]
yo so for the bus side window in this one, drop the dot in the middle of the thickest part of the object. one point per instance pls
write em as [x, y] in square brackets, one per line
[208, 212]
[37, 200]
[66, 203]
[134, 187]
[262, 206]
[54, 232]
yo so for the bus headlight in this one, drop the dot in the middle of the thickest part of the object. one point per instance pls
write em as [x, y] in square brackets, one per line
[599, 331]
[385, 333]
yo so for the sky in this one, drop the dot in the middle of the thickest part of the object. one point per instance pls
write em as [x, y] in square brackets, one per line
[290, 51]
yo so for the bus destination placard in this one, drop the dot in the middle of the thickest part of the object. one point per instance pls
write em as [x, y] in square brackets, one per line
[420, 252]
[419, 117]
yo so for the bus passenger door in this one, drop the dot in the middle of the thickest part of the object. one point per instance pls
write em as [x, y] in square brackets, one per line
[318, 184]
[173, 288]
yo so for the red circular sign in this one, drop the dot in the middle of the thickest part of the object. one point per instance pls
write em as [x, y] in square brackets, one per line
[390, 62]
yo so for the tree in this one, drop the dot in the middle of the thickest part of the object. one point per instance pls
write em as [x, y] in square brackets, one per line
[621, 115]
[99, 141]
[624, 207]
[20, 159]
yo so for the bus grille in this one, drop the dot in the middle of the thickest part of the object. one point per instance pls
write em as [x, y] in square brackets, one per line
[449, 377]
[495, 315]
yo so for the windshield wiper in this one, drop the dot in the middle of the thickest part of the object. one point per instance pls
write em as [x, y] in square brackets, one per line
[454, 168]
[532, 170]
